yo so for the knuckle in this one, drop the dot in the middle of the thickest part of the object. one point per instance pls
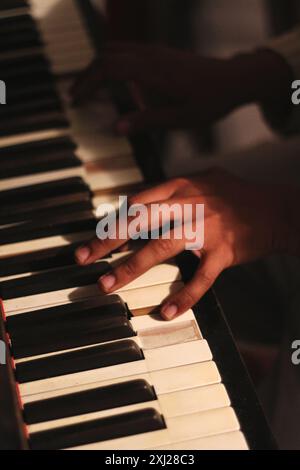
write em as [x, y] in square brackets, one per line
[129, 269]
[189, 297]
[164, 247]
[97, 245]
[181, 182]
[206, 279]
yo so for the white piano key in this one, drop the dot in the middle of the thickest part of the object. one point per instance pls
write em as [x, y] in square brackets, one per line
[13, 183]
[106, 146]
[170, 405]
[145, 322]
[136, 442]
[228, 441]
[82, 378]
[167, 334]
[177, 355]
[197, 425]
[165, 381]
[58, 423]
[79, 348]
[14, 12]
[149, 296]
[171, 356]
[14, 249]
[196, 399]
[55, 19]
[185, 377]
[102, 180]
[204, 423]
[33, 136]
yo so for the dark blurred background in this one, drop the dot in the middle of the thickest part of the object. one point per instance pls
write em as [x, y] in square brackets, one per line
[218, 28]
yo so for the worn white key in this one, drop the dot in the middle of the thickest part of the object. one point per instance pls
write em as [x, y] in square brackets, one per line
[165, 381]
[228, 441]
[154, 333]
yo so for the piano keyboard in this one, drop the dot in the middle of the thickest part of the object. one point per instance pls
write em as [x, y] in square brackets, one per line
[92, 371]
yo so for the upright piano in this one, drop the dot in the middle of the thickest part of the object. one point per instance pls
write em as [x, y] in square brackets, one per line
[83, 370]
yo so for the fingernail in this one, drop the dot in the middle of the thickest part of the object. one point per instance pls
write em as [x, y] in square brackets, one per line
[82, 254]
[169, 311]
[123, 127]
[107, 281]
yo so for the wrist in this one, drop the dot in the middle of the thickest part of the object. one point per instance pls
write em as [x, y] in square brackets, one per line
[265, 77]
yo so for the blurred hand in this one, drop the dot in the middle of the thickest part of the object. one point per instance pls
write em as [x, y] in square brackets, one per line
[199, 90]
[243, 222]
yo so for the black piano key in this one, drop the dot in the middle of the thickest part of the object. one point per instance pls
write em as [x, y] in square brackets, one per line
[19, 41]
[11, 70]
[13, 4]
[48, 226]
[39, 260]
[11, 170]
[37, 122]
[95, 357]
[122, 425]
[76, 204]
[60, 145]
[65, 186]
[89, 401]
[57, 279]
[114, 308]
[46, 104]
[84, 328]
[53, 210]
[19, 81]
[17, 22]
[22, 63]
[62, 336]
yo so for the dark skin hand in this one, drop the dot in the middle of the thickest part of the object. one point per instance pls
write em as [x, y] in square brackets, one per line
[199, 90]
[243, 222]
